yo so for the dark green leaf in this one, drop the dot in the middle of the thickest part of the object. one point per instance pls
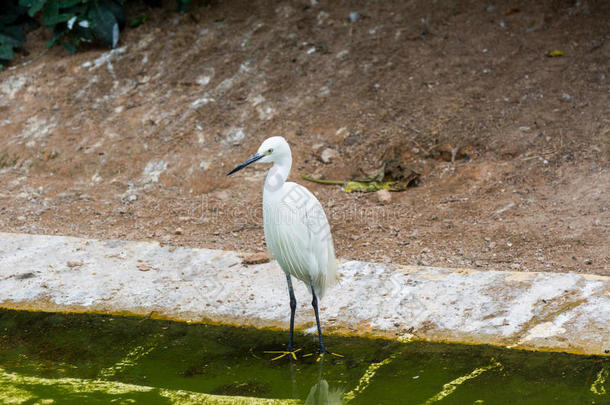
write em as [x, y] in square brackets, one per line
[51, 15]
[12, 35]
[58, 33]
[5, 39]
[36, 7]
[69, 47]
[59, 18]
[117, 10]
[6, 51]
[50, 12]
[182, 5]
[70, 3]
[33, 6]
[104, 25]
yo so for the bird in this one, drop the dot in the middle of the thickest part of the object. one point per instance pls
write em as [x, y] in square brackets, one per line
[297, 232]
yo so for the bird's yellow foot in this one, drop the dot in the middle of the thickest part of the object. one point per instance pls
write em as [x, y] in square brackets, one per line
[321, 355]
[283, 353]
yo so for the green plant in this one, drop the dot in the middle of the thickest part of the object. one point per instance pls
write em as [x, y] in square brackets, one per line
[72, 22]
[13, 19]
[76, 21]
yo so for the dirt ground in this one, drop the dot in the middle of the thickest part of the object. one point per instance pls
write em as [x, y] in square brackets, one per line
[135, 143]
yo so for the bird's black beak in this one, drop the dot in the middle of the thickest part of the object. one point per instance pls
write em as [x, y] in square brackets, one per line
[251, 160]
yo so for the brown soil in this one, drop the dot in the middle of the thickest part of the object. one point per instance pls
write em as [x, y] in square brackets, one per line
[136, 146]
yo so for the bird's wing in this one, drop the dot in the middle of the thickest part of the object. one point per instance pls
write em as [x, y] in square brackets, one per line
[298, 235]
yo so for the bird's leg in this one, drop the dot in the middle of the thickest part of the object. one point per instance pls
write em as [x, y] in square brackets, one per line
[314, 303]
[293, 308]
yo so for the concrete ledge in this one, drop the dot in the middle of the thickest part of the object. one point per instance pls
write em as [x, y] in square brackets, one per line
[541, 311]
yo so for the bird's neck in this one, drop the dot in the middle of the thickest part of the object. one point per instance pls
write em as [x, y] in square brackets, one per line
[277, 175]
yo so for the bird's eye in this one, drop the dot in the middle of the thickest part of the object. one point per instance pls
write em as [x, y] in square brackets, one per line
[270, 150]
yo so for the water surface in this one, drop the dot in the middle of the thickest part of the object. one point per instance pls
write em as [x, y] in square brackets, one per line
[85, 358]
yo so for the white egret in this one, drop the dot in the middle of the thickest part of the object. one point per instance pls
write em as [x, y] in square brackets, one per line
[296, 229]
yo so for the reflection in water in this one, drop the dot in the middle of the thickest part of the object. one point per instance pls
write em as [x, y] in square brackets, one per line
[319, 394]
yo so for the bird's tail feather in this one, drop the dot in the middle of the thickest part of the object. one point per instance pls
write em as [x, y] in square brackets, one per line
[326, 280]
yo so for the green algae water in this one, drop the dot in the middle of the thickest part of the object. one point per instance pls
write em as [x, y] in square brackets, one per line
[51, 358]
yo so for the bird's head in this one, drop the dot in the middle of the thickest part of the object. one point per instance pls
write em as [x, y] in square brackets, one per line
[274, 149]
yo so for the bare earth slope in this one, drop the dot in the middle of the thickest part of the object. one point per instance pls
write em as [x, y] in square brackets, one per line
[134, 143]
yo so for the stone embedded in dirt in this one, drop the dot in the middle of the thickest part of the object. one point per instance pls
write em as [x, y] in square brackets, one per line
[256, 258]
[354, 16]
[74, 264]
[222, 195]
[153, 170]
[384, 196]
[179, 231]
[235, 136]
[316, 148]
[328, 155]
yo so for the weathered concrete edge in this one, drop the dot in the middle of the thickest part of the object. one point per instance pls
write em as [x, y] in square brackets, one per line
[535, 311]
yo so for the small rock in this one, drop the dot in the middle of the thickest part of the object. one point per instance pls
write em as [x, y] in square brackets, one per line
[221, 195]
[354, 16]
[235, 136]
[328, 155]
[588, 262]
[316, 148]
[144, 267]
[178, 231]
[74, 264]
[256, 258]
[384, 196]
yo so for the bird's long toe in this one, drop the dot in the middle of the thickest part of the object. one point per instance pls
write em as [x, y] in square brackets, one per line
[283, 353]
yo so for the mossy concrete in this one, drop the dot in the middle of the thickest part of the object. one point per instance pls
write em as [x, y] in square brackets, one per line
[540, 311]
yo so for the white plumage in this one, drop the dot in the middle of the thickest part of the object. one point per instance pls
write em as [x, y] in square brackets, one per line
[298, 235]
[296, 229]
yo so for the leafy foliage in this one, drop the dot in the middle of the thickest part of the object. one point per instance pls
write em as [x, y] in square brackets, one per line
[72, 22]
[13, 18]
